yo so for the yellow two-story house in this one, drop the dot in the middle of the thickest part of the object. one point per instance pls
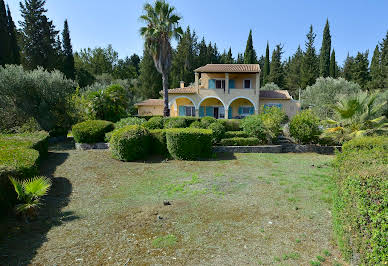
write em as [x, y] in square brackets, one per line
[221, 91]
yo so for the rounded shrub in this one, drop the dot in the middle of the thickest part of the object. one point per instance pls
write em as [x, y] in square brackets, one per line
[235, 134]
[92, 131]
[196, 124]
[129, 121]
[175, 122]
[159, 142]
[254, 127]
[304, 127]
[155, 122]
[218, 132]
[231, 124]
[189, 143]
[237, 141]
[207, 120]
[130, 143]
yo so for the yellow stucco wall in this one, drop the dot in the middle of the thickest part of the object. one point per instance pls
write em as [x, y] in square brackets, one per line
[238, 79]
[150, 110]
[290, 107]
[238, 103]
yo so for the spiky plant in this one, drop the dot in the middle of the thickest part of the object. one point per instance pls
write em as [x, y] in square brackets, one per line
[29, 192]
[356, 116]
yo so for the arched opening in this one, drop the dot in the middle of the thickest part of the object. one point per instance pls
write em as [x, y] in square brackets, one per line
[240, 108]
[182, 106]
[212, 106]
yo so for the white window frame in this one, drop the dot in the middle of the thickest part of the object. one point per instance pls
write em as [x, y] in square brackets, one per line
[215, 83]
[250, 83]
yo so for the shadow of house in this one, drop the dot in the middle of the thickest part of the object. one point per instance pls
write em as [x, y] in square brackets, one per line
[21, 241]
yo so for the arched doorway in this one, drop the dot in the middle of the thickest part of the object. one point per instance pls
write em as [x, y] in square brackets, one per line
[241, 107]
[182, 106]
[212, 106]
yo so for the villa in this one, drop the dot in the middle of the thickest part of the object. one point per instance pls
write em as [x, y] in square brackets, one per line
[221, 91]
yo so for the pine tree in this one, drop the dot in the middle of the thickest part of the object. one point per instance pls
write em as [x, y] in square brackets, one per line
[14, 46]
[324, 59]
[5, 52]
[240, 58]
[40, 36]
[202, 58]
[150, 79]
[277, 72]
[229, 57]
[333, 66]
[361, 69]
[250, 56]
[293, 73]
[310, 64]
[348, 68]
[384, 61]
[375, 71]
[266, 68]
[261, 64]
[68, 61]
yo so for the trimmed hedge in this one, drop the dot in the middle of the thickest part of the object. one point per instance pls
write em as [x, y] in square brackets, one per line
[129, 121]
[304, 127]
[240, 142]
[179, 122]
[92, 131]
[130, 143]
[218, 132]
[159, 142]
[207, 121]
[154, 123]
[235, 134]
[20, 155]
[189, 143]
[231, 124]
[197, 124]
[360, 209]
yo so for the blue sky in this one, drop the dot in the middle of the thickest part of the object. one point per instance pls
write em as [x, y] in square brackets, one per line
[356, 25]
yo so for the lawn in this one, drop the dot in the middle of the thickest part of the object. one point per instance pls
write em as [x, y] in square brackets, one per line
[231, 210]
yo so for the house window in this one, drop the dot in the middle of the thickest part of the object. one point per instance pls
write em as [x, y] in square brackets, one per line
[189, 110]
[247, 83]
[268, 105]
[245, 110]
[220, 84]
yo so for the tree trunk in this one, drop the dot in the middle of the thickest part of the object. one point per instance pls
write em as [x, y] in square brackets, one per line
[166, 111]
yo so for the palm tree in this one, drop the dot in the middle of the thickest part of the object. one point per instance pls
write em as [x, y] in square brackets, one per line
[356, 116]
[162, 25]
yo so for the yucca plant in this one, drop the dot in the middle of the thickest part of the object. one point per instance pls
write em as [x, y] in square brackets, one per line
[356, 116]
[29, 192]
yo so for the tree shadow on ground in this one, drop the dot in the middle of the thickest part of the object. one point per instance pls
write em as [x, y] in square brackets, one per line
[22, 240]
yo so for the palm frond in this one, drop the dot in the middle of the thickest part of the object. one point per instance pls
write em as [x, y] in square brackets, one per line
[18, 186]
[37, 186]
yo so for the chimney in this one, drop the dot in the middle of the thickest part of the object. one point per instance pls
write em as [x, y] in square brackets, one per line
[182, 84]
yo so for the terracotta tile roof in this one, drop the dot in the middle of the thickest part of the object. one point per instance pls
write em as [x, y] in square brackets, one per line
[229, 68]
[188, 90]
[277, 94]
[151, 102]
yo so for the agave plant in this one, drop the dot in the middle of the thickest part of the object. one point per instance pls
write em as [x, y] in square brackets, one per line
[356, 116]
[29, 192]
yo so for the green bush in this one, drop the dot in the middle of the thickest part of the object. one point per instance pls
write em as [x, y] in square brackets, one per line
[130, 143]
[189, 143]
[207, 121]
[218, 131]
[235, 134]
[154, 123]
[159, 142]
[304, 127]
[272, 118]
[129, 121]
[37, 141]
[240, 142]
[360, 209]
[197, 124]
[92, 131]
[253, 126]
[231, 124]
[175, 122]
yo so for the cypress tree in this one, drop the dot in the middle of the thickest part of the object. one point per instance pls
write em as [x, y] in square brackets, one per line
[310, 64]
[240, 58]
[68, 61]
[293, 73]
[384, 61]
[14, 46]
[277, 72]
[5, 52]
[324, 59]
[333, 65]
[202, 58]
[229, 57]
[150, 79]
[250, 53]
[266, 68]
[348, 68]
[375, 71]
[361, 69]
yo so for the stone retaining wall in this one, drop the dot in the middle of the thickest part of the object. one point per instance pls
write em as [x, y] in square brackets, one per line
[249, 149]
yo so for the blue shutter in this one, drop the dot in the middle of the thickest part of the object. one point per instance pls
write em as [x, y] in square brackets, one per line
[251, 110]
[209, 111]
[240, 110]
[212, 83]
[231, 84]
[182, 111]
[280, 105]
[230, 112]
[201, 111]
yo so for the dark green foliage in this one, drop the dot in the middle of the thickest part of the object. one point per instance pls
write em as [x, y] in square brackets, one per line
[96, 61]
[272, 119]
[376, 72]
[4, 36]
[235, 134]
[159, 142]
[197, 124]
[348, 68]
[333, 66]
[277, 72]
[360, 211]
[189, 143]
[14, 57]
[310, 64]
[92, 131]
[84, 77]
[150, 79]
[129, 121]
[175, 122]
[384, 60]
[266, 68]
[128, 68]
[238, 141]
[68, 61]
[154, 123]
[324, 57]
[207, 121]
[254, 127]
[218, 131]
[361, 69]
[293, 73]
[250, 56]
[304, 127]
[130, 143]
[231, 124]
[227, 58]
